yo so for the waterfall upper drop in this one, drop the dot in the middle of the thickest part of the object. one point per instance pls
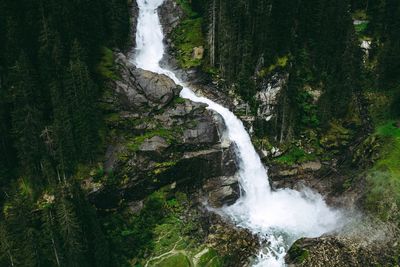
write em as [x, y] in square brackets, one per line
[280, 216]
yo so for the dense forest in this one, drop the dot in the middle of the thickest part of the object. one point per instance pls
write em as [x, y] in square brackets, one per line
[55, 59]
[314, 41]
[50, 83]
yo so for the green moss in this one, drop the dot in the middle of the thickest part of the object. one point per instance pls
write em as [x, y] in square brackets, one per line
[134, 144]
[298, 254]
[186, 37]
[295, 155]
[178, 100]
[106, 67]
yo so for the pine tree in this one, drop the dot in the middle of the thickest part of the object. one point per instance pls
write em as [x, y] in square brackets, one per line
[26, 117]
[81, 94]
[70, 231]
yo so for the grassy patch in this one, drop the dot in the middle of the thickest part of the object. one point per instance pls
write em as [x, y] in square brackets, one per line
[177, 260]
[383, 197]
[295, 155]
[186, 37]
[106, 67]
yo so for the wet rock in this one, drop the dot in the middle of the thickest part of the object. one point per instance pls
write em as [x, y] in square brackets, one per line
[222, 191]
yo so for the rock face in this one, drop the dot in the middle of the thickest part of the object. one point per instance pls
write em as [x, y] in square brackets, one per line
[158, 139]
[269, 96]
[170, 15]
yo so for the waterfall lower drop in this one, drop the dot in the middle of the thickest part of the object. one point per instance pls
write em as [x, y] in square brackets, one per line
[277, 217]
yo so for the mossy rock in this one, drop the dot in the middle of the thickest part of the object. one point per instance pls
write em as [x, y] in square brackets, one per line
[176, 260]
[298, 254]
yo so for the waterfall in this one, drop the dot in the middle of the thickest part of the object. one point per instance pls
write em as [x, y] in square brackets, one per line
[279, 217]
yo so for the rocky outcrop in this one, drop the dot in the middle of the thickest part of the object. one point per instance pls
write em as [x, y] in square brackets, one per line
[143, 90]
[268, 96]
[236, 245]
[158, 138]
[170, 15]
[338, 252]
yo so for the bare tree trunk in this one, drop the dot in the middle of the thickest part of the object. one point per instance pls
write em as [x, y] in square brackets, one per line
[54, 244]
[213, 33]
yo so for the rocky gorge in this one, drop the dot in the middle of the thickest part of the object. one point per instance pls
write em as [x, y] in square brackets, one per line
[194, 133]
[159, 140]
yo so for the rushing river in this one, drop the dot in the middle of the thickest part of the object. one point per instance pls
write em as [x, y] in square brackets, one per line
[278, 217]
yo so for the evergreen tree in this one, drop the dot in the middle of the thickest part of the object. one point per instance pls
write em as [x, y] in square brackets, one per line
[26, 117]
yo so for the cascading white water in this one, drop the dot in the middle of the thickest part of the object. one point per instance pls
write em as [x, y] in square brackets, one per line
[279, 217]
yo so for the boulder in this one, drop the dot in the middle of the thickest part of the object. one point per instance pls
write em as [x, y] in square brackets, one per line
[143, 90]
[158, 89]
[198, 52]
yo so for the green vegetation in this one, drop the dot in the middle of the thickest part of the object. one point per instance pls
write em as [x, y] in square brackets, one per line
[176, 260]
[187, 8]
[361, 28]
[336, 138]
[281, 62]
[297, 254]
[157, 236]
[360, 14]
[135, 143]
[53, 61]
[106, 67]
[187, 36]
[295, 155]
[384, 178]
